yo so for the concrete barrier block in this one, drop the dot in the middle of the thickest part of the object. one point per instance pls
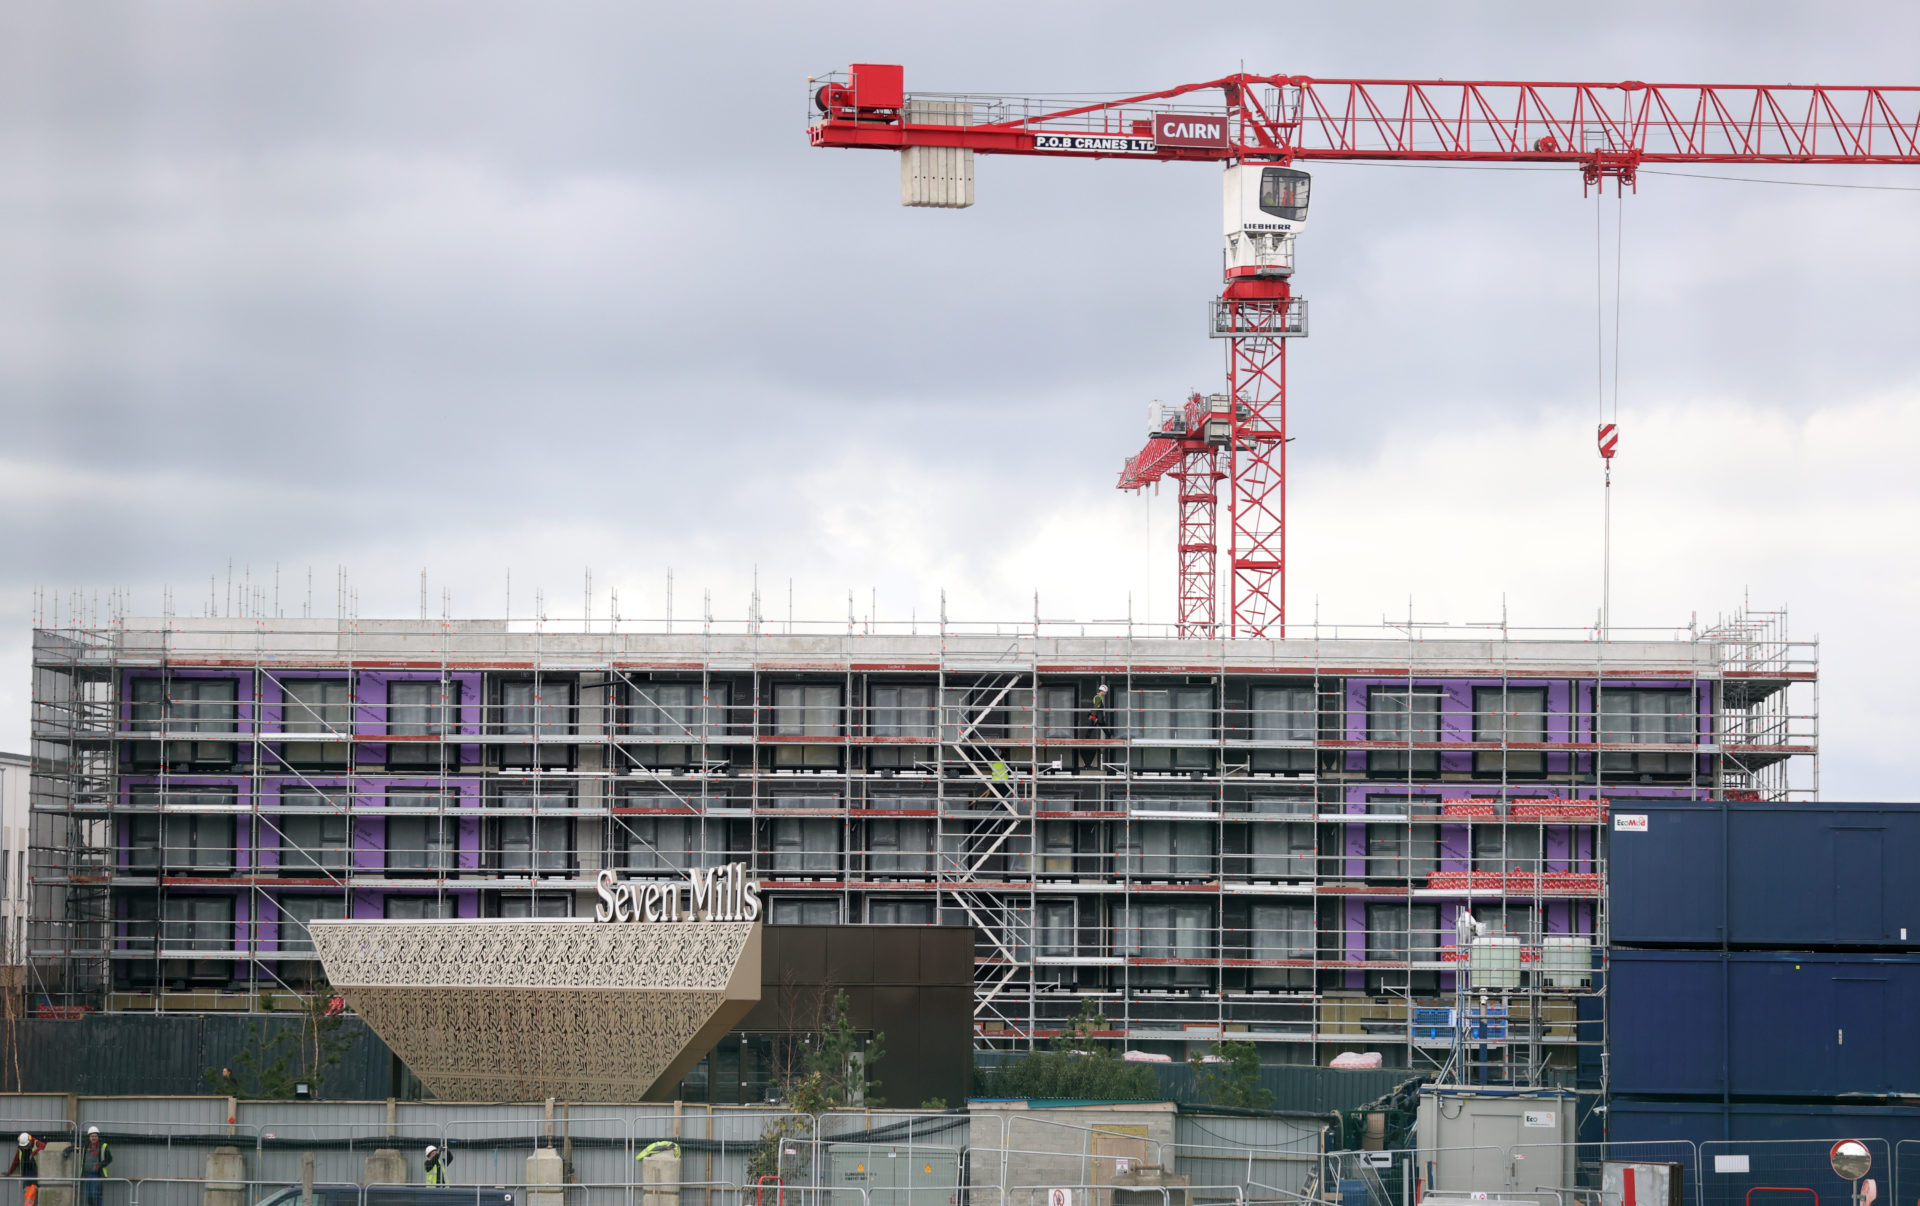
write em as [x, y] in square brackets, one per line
[58, 1160]
[546, 1174]
[386, 1166]
[226, 1183]
[660, 1176]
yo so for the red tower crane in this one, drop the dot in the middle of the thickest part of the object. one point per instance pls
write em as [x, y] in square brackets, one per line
[1260, 125]
[1186, 445]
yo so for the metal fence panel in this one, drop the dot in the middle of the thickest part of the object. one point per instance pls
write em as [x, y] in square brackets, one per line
[1581, 1166]
[1220, 1149]
[1781, 1172]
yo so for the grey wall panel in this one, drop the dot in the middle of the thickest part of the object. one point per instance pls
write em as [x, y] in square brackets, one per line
[169, 1054]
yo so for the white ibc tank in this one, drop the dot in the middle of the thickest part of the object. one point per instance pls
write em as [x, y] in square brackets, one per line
[1494, 961]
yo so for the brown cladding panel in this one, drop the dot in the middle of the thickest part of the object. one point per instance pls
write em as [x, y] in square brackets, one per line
[912, 983]
[799, 955]
[850, 955]
[896, 954]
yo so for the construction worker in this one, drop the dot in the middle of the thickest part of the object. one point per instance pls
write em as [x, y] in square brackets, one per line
[95, 1159]
[26, 1165]
[437, 1160]
[1097, 715]
[660, 1147]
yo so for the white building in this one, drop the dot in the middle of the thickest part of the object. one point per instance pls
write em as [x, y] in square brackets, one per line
[14, 778]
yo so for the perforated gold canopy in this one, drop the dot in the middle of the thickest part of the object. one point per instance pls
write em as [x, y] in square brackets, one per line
[525, 1010]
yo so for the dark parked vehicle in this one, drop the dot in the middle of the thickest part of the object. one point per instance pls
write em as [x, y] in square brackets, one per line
[392, 1195]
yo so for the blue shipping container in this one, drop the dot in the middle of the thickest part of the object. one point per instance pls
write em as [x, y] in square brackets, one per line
[1763, 1023]
[1785, 875]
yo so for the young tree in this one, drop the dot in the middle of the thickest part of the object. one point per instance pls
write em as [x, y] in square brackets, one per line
[1080, 1065]
[833, 1069]
[843, 1061]
[303, 1053]
[1229, 1075]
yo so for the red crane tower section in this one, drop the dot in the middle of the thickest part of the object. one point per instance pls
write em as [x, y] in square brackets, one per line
[1607, 130]
[1185, 445]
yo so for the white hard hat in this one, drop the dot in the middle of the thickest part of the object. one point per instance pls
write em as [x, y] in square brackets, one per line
[25, 1138]
[431, 1149]
[93, 1130]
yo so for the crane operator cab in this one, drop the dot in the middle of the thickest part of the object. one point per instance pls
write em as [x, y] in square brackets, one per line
[1266, 206]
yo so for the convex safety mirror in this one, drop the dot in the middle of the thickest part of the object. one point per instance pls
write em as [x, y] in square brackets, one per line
[1851, 1159]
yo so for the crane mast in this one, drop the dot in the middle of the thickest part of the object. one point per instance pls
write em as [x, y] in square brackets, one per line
[1259, 125]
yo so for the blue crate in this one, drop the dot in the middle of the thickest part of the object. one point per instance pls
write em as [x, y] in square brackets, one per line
[1430, 1022]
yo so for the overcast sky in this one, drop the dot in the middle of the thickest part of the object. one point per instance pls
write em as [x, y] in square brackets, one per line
[471, 288]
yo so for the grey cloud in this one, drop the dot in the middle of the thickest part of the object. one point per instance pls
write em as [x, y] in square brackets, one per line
[370, 282]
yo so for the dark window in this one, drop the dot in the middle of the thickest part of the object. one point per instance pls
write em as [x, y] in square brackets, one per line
[539, 841]
[1401, 849]
[1510, 917]
[540, 710]
[674, 711]
[660, 843]
[1510, 714]
[903, 847]
[1150, 929]
[185, 705]
[1054, 929]
[1167, 848]
[1506, 848]
[420, 908]
[317, 707]
[196, 844]
[536, 904]
[902, 711]
[428, 711]
[1630, 716]
[1281, 850]
[804, 847]
[419, 842]
[1401, 714]
[1059, 713]
[887, 910]
[1069, 848]
[802, 910]
[807, 710]
[198, 923]
[1396, 933]
[667, 722]
[1282, 715]
[544, 708]
[297, 911]
[1173, 714]
[1282, 931]
[1283, 193]
[312, 845]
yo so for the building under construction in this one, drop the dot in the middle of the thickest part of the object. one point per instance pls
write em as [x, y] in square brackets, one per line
[1260, 840]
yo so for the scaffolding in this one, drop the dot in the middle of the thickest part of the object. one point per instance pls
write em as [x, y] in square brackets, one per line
[1268, 841]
